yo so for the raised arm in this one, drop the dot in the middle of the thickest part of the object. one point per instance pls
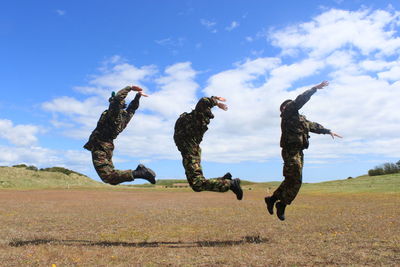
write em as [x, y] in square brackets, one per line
[205, 104]
[300, 100]
[118, 100]
[134, 105]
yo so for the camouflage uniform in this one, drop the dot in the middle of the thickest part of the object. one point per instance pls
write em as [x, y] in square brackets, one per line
[294, 138]
[111, 123]
[189, 131]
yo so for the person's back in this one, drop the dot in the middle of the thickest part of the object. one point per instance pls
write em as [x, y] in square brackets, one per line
[189, 132]
[190, 127]
[294, 129]
[113, 120]
[111, 123]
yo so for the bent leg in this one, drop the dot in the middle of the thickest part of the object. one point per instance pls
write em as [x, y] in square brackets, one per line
[105, 168]
[194, 174]
[292, 171]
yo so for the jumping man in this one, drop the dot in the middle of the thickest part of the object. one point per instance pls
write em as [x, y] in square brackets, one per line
[101, 142]
[295, 134]
[189, 131]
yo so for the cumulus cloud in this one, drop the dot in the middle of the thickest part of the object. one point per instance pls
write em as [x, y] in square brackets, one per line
[43, 157]
[336, 45]
[366, 30]
[149, 135]
[21, 134]
[359, 103]
[79, 117]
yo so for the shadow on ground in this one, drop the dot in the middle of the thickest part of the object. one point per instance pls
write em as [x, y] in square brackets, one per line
[223, 243]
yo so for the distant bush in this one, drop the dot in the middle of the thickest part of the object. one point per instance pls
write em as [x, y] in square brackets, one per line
[20, 166]
[386, 168]
[61, 170]
[390, 168]
[31, 167]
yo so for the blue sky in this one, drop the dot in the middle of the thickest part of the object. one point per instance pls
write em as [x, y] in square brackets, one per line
[62, 59]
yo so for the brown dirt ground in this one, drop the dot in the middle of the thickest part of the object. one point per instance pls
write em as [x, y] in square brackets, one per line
[180, 227]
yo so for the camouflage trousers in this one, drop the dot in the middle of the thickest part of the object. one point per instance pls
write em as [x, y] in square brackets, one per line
[102, 161]
[191, 159]
[292, 171]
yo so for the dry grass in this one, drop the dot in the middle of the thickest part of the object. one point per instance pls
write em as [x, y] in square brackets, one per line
[21, 178]
[180, 227]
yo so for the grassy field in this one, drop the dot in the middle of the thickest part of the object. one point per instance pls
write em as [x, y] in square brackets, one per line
[353, 223]
[21, 178]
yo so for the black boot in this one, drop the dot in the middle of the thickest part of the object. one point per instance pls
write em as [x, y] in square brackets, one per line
[280, 210]
[235, 187]
[227, 176]
[144, 173]
[270, 201]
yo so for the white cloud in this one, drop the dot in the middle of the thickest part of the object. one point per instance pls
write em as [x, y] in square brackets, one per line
[233, 25]
[178, 90]
[20, 135]
[171, 42]
[209, 24]
[80, 116]
[121, 75]
[360, 102]
[374, 65]
[69, 105]
[392, 75]
[43, 157]
[60, 12]
[368, 31]
[151, 130]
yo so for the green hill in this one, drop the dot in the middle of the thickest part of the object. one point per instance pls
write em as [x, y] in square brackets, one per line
[389, 183]
[28, 177]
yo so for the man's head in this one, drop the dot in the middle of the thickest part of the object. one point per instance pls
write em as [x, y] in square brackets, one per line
[283, 105]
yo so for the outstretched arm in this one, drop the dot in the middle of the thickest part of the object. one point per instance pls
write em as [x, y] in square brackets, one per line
[319, 129]
[299, 102]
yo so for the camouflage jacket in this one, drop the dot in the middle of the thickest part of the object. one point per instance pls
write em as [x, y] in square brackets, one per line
[295, 127]
[190, 127]
[113, 120]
